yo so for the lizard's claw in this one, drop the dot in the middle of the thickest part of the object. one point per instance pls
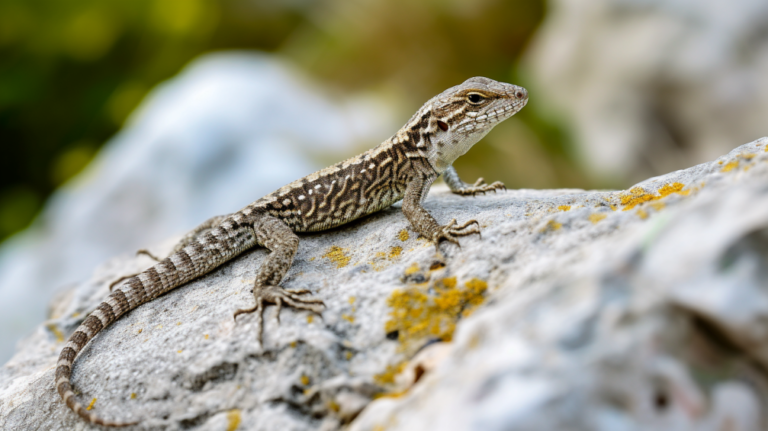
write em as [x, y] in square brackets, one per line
[451, 231]
[279, 296]
[481, 187]
[146, 252]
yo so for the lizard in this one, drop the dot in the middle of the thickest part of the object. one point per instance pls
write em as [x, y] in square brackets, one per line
[401, 168]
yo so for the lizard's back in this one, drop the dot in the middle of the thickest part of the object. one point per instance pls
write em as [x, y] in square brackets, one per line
[340, 193]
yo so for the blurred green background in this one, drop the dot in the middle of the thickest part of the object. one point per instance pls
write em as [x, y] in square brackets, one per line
[72, 72]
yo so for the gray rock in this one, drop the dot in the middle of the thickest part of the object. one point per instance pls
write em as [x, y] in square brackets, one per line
[594, 310]
[648, 85]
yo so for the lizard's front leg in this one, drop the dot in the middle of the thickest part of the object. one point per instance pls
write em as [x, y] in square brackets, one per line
[451, 177]
[276, 236]
[425, 224]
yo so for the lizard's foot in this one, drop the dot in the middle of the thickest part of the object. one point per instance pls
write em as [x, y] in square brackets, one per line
[125, 277]
[279, 296]
[147, 253]
[451, 231]
[481, 187]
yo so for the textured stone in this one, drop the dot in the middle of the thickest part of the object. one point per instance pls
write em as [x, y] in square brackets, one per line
[636, 309]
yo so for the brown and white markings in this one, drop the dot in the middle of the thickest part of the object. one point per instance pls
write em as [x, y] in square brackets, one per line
[402, 167]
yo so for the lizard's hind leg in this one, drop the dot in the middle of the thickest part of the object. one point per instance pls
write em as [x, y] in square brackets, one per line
[187, 239]
[276, 236]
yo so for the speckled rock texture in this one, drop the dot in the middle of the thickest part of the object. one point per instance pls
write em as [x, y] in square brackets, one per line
[642, 309]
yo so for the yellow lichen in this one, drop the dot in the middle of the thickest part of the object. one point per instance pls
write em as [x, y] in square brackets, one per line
[564, 207]
[394, 252]
[294, 344]
[730, 166]
[206, 336]
[90, 406]
[641, 213]
[668, 189]
[747, 156]
[388, 376]
[414, 268]
[133, 395]
[419, 312]
[348, 355]
[333, 405]
[310, 318]
[351, 299]
[638, 195]
[140, 330]
[56, 332]
[179, 351]
[337, 255]
[596, 217]
[304, 380]
[551, 226]
[658, 206]
[349, 318]
[635, 197]
[233, 419]
[403, 235]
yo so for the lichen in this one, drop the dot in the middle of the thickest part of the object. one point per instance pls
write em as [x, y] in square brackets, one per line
[56, 332]
[730, 166]
[388, 376]
[422, 312]
[642, 213]
[90, 406]
[338, 256]
[414, 268]
[403, 235]
[564, 207]
[382, 260]
[551, 226]
[638, 195]
[304, 380]
[233, 419]
[596, 217]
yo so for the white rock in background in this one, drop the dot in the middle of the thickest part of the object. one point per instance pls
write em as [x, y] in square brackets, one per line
[229, 129]
[631, 310]
[653, 86]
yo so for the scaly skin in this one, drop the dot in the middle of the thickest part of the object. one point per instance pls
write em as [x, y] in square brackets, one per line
[402, 167]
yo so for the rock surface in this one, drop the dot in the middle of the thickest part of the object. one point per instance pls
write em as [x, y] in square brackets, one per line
[595, 310]
[647, 85]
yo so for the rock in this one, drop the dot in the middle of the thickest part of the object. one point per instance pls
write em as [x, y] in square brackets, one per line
[599, 310]
[651, 86]
[230, 128]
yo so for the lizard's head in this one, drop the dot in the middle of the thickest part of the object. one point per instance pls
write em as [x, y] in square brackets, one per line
[461, 115]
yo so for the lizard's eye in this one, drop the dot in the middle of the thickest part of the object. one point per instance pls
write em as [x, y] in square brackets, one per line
[475, 98]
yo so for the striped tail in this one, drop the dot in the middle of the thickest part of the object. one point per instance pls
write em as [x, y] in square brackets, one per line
[107, 312]
[201, 256]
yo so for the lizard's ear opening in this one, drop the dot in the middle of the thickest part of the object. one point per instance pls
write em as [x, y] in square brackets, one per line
[442, 125]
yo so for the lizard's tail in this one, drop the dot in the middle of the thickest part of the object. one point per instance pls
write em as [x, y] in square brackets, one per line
[107, 312]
